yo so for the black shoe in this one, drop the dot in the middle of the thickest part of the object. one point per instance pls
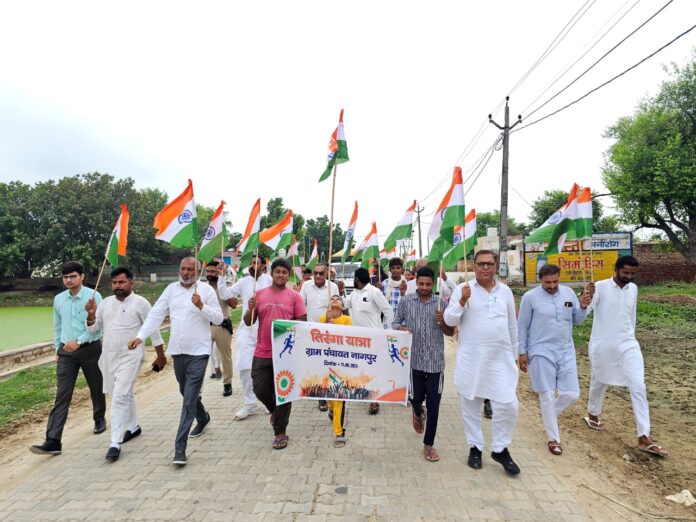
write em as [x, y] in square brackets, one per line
[474, 458]
[506, 461]
[99, 426]
[226, 390]
[131, 434]
[487, 410]
[113, 454]
[200, 428]
[323, 406]
[179, 459]
[49, 447]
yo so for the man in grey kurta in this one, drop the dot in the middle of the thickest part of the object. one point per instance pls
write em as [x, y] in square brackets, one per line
[545, 329]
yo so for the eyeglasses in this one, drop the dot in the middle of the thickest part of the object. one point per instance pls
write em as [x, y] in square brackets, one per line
[71, 276]
[319, 273]
[485, 264]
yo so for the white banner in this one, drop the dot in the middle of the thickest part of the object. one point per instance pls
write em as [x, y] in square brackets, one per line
[350, 363]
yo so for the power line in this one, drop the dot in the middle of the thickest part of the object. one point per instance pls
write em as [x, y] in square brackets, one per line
[492, 150]
[602, 57]
[609, 81]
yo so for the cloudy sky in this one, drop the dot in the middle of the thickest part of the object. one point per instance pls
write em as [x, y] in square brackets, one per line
[242, 97]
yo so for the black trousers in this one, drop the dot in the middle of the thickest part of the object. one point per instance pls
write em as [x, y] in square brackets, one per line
[190, 372]
[426, 386]
[86, 357]
[264, 389]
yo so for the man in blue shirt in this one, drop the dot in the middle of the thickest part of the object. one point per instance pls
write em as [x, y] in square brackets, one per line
[75, 349]
[545, 330]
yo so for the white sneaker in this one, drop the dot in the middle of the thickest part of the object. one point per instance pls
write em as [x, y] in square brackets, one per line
[248, 409]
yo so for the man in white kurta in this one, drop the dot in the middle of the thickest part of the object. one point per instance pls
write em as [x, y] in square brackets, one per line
[246, 335]
[119, 317]
[486, 364]
[615, 355]
[545, 323]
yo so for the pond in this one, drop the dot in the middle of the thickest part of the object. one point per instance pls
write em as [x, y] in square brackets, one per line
[23, 325]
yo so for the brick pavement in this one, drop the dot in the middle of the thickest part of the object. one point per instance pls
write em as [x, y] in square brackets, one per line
[233, 474]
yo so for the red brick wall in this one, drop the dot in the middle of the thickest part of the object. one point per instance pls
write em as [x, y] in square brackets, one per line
[656, 266]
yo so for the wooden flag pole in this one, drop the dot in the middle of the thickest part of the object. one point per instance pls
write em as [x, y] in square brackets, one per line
[256, 277]
[582, 260]
[591, 262]
[101, 271]
[328, 265]
[195, 265]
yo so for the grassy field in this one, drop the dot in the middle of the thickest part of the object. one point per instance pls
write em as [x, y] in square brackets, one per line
[23, 325]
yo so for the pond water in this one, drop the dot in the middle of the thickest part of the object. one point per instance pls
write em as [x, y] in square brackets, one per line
[23, 325]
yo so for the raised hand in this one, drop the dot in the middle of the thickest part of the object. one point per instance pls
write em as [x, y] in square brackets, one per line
[466, 294]
[196, 300]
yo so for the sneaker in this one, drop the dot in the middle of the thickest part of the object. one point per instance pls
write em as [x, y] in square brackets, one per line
[49, 447]
[506, 461]
[200, 427]
[113, 453]
[323, 406]
[179, 459]
[131, 434]
[226, 390]
[248, 409]
[474, 458]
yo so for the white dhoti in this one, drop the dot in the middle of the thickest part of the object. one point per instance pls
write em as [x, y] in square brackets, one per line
[245, 346]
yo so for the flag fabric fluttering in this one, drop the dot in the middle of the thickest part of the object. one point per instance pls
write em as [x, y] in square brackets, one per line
[250, 240]
[279, 235]
[464, 241]
[449, 215]
[293, 258]
[350, 235]
[403, 230]
[583, 223]
[176, 223]
[411, 260]
[313, 257]
[215, 238]
[371, 251]
[119, 238]
[338, 150]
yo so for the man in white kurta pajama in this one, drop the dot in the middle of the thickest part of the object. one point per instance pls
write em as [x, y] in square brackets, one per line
[615, 355]
[246, 335]
[120, 316]
[545, 323]
[486, 364]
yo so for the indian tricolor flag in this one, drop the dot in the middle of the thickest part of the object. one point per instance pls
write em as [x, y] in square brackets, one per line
[119, 238]
[449, 215]
[176, 223]
[279, 235]
[358, 254]
[250, 240]
[560, 226]
[338, 150]
[385, 256]
[313, 257]
[371, 251]
[336, 379]
[349, 241]
[215, 236]
[583, 224]
[403, 230]
[464, 241]
[293, 258]
[411, 259]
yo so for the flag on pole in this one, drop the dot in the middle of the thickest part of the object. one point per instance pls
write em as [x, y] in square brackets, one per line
[371, 251]
[119, 238]
[411, 259]
[250, 240]
[559, 227]
[350, 235]
[583, 224]
[293, 258]
[279, 235]
[403, 230]
[449, 214]
[215, 238]
[176, 223]
[385, 256]
[313, 257]
[464, 241]
[358, 255]
[338, 150]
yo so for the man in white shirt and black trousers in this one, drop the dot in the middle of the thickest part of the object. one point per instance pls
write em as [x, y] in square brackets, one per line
[191, 308]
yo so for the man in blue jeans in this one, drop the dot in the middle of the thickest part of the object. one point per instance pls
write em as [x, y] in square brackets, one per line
[191, 308]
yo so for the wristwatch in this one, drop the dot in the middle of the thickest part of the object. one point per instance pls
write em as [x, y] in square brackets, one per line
[78, 342]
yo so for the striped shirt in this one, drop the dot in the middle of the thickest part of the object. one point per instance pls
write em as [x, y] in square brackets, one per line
[428, 345]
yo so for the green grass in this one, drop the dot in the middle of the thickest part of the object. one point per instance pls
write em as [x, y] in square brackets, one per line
[668, 288]
[24, 325]
[28, 390]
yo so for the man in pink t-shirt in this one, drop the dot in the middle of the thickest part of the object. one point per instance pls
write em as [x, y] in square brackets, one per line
[275, 302]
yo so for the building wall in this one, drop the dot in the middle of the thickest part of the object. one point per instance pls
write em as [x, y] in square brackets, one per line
[656, 265]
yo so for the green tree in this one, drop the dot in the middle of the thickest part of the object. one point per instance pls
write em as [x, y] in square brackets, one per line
[319, 229]
[544, 206]
[275, 211]
[484, 220]
[650, 168]
[17, 229]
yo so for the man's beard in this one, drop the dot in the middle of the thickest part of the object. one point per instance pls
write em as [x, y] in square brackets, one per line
[187, 280]
[252, 272]
[121, 293]
[212, 279]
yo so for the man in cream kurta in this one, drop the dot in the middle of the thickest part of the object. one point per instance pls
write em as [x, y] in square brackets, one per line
[246, 335]
[486, 365]
[120, 316]
[615, 355]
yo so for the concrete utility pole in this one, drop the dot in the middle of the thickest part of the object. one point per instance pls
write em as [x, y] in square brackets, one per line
[420, 241]
[503, 270]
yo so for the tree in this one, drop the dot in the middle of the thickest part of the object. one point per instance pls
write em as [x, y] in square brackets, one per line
[544, 206]
[17, 228]
[651, 166]
[485, 220]
[319, 229]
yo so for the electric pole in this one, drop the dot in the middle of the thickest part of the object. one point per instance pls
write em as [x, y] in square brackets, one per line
[420, 241]
[503, 271]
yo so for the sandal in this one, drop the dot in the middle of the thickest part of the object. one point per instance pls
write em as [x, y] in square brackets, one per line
[594, 425]
[431, 454]
[373, 409]
[280, 442]
[419, 422]
[555, 447]
[340, 442]
[654, 449]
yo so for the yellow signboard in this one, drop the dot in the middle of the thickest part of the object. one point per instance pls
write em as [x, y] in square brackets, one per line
[572, 263]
